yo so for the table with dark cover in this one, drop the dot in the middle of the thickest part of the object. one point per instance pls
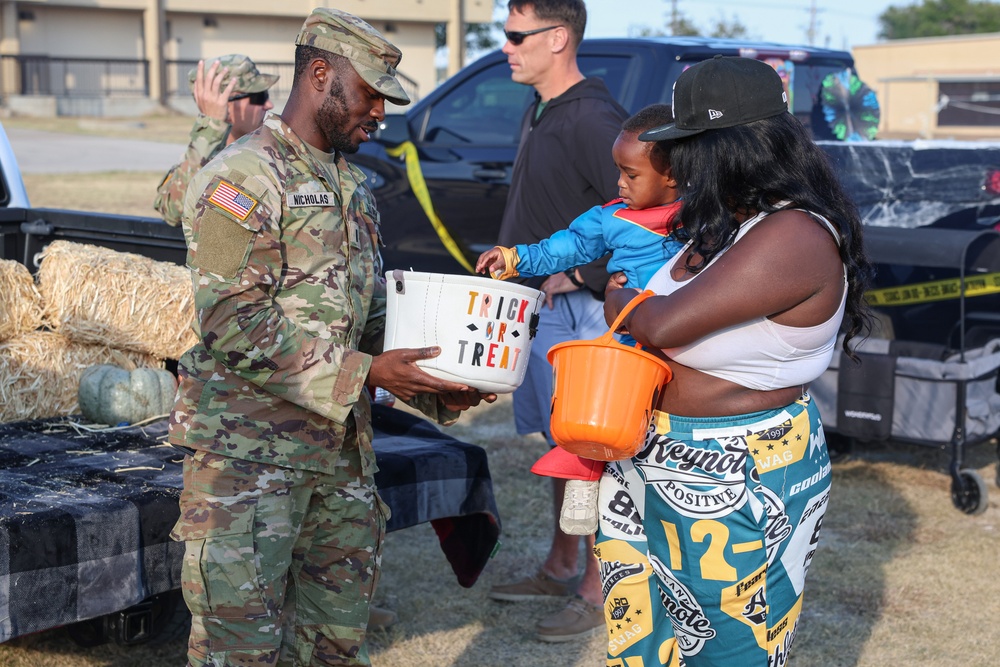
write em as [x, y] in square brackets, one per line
[85, 516]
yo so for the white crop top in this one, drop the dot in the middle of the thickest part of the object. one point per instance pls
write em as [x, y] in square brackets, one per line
[759, 354]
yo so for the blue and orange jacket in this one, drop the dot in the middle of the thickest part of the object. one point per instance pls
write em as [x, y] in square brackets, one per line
[640, 242]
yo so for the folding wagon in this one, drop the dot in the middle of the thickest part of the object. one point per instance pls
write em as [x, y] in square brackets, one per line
[929, 374]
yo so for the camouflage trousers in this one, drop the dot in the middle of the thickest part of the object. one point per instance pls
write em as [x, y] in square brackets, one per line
[279, 564]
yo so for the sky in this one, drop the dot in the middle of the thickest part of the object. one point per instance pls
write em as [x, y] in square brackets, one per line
[840, 24]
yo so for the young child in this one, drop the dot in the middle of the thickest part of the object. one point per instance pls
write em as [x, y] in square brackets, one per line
[638, 230]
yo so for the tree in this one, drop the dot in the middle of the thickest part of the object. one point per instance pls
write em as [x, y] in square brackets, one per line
[684, 27]
[730, 28]
[723, 27]
[478, 36]
[936, 18]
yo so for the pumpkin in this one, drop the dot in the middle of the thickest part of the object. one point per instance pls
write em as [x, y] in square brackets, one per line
[110, 394]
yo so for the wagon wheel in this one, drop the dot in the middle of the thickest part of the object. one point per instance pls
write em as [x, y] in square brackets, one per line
[998, 464]
[968, 492]
[839, 446]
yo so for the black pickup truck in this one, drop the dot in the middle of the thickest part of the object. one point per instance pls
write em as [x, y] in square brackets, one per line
[441, 173]
[451, 153]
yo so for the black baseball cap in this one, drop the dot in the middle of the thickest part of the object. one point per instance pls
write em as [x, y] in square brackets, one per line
[722, 92]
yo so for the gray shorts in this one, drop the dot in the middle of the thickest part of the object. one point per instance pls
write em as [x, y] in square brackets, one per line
[574, 316]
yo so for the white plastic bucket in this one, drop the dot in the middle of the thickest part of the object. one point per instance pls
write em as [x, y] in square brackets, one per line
[483, 326]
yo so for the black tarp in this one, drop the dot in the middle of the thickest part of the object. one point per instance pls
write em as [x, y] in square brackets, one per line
[85, 517]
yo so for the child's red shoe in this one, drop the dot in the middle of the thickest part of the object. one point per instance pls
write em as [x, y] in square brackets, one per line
[560, 463]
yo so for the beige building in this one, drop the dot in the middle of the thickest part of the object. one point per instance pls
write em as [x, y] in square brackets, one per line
[935, 88]
[127, 57]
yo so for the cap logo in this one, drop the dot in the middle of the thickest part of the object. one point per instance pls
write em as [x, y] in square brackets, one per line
[714, 115]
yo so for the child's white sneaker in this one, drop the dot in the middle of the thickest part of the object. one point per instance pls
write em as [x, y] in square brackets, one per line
[579, 507]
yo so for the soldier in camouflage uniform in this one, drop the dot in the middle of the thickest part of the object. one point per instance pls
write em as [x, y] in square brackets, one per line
[231, 95]
[280, 517]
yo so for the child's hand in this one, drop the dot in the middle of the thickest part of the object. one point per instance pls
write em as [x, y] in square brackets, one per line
[500, 262]
[492, 260]
[616, 281]
[614, 301]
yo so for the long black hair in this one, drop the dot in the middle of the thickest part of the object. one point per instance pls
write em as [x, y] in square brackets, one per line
[751, 168]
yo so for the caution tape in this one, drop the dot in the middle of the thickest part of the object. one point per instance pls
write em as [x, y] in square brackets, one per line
[935, 290]
[419, 187]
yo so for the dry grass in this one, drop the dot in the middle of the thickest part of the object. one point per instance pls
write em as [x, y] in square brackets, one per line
[173, 128]
[901, 577]
[120, 192]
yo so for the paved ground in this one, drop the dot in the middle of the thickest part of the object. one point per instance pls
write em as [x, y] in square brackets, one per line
[41, 152]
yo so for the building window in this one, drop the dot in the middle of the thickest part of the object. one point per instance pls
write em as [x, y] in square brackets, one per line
[975, 103]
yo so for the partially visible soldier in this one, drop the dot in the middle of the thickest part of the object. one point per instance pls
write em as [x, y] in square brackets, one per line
[232, 98]
[280, 516]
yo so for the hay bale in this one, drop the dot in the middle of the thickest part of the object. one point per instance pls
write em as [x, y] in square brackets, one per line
[20, 302]
[101, 296]
[40, 373]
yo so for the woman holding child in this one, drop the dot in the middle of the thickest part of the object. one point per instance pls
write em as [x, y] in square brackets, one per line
[716, 520]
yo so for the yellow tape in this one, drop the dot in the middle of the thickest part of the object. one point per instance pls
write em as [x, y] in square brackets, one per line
[419, 186]
[936, 290]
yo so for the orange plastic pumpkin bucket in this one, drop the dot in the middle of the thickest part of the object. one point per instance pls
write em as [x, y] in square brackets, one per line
[603, 394]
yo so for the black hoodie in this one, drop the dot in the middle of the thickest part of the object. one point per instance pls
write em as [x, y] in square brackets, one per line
[563, 168]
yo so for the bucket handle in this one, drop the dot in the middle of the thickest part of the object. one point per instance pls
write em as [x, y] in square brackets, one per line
[608, 338]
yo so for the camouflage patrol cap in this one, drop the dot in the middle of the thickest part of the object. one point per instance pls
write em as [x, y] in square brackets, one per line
[248, 78]
[372, 56]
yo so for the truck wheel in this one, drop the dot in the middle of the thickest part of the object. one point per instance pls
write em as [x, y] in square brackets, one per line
[839, 446]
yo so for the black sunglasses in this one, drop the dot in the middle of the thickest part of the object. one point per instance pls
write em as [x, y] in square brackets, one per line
[516, 38]
[256, 99]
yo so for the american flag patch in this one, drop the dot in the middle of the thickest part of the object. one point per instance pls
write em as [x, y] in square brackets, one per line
[235, 201]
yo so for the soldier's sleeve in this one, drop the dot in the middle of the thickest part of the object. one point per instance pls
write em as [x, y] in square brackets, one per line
[208, 136]
[374, 335]
[431, 406]
[236, 259]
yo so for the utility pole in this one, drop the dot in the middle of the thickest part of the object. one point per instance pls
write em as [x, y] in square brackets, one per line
[674, 17]
[455, 40]
[153, 20]
[813, 23]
